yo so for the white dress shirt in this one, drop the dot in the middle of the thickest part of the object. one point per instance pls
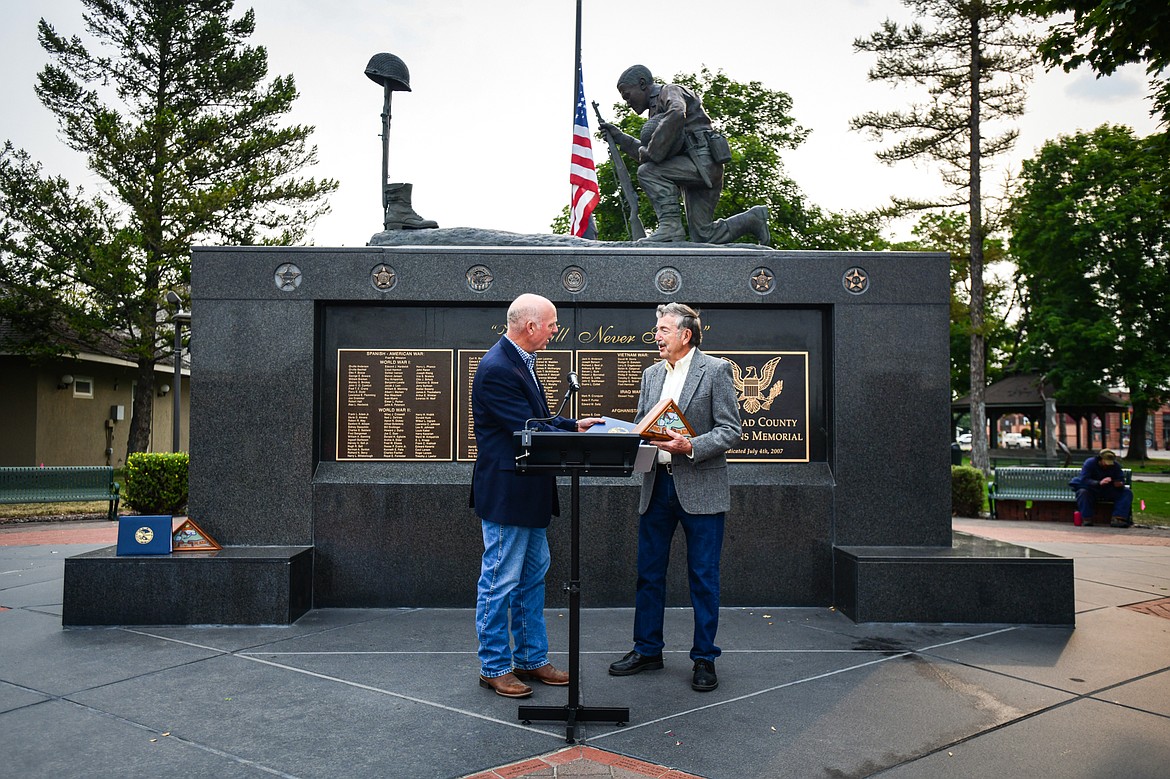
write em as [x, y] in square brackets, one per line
[676, 376]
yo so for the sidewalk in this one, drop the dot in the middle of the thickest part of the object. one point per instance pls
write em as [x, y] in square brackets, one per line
[392, 693]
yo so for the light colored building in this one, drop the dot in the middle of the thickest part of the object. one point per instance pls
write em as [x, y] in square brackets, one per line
[76, 410]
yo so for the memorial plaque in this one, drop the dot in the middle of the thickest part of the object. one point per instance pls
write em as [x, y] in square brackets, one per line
[608, 346]
[394, 404]
[610, 381]
[552, 368]
[772, 390]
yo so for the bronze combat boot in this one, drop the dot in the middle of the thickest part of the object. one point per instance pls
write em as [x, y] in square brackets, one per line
[669, 230]
[753, 222]
[400, 214]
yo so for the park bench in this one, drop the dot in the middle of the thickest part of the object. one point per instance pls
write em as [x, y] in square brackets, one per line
[58, 484]
[1012, 489]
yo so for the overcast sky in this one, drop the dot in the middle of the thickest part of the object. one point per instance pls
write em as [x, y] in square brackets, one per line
[484, 135]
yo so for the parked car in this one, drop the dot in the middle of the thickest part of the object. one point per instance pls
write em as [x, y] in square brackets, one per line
[1015, 440]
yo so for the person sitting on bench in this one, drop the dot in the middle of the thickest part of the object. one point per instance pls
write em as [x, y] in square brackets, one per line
[1101, 479]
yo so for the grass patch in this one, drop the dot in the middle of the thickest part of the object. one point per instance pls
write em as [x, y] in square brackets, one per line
[31, 512]
[1147, 466]
[1157, 499]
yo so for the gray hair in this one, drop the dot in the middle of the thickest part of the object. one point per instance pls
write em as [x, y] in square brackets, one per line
[686, 318]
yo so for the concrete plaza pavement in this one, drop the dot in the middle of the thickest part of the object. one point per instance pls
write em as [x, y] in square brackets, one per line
[804, 692]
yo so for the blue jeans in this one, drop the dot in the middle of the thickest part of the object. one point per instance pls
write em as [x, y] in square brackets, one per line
[704, 533]
[511, 583]
[1087, 498]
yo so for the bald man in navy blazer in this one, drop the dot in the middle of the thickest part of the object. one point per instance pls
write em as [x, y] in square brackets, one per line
[514, 509]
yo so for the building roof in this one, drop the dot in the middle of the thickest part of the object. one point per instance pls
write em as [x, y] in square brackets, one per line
[1024, 394]
[105, 349]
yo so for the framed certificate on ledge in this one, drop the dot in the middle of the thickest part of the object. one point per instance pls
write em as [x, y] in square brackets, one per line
[664, 416]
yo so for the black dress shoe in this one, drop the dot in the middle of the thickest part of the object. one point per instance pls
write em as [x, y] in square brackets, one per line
[704, 679]
[633, 662]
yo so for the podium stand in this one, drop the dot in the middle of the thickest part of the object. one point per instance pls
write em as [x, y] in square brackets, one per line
[574, 455]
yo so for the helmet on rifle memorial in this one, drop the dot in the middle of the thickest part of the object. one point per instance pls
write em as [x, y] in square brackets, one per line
[389, 71]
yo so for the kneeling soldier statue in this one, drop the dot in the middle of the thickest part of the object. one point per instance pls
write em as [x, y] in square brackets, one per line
[680, 154]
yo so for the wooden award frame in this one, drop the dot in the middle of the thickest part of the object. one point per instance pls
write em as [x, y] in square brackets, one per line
[665, 415]
[189, 537]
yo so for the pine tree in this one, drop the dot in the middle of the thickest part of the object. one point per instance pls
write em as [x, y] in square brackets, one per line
[975, 66]
[174, 115]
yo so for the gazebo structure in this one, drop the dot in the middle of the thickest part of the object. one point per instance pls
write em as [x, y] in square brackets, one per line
[1027, 394]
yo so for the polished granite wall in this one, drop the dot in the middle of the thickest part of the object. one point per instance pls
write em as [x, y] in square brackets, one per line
[400, 534]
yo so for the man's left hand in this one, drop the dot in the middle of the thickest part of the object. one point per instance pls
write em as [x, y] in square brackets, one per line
[588, 422]
[678, 444]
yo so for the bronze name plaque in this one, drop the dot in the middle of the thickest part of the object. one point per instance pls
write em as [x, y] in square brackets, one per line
[415, 404]
[610, 382]
[552, 368]
[395, 404]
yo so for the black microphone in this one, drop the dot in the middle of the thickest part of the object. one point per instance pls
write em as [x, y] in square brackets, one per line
[574, 383]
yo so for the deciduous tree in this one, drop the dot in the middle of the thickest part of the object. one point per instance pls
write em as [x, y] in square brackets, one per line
[1091, 238]
[948, 231]
[1107, 34]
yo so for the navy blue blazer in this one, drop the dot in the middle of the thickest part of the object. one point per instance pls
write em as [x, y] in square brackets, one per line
[503, 398]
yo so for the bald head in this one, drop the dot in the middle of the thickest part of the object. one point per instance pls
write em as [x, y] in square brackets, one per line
[532, 322]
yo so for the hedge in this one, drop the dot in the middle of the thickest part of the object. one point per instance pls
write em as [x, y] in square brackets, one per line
[156, 483]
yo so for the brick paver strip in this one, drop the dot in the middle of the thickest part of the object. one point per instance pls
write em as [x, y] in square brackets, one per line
[1045, 532]
[101, 532]
[582, 761]
[525, 768]
[1156, 608]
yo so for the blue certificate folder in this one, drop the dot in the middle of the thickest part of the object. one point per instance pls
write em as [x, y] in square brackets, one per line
[144, 535]
[611, 425]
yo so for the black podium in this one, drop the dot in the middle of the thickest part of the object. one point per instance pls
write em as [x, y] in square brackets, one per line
[574, 455]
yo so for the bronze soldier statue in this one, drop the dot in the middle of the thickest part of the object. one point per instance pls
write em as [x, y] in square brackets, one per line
[680, 153]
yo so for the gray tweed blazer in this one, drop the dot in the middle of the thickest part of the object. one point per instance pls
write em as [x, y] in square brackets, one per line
[708, 401]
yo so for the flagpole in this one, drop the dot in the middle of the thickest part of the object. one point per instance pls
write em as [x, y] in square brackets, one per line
[573, 712]
[577, 60]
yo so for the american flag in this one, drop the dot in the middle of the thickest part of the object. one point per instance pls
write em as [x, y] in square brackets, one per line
[582, 174]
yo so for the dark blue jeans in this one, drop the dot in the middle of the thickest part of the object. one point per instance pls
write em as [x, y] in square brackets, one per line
[1087, 498]
[704, 534]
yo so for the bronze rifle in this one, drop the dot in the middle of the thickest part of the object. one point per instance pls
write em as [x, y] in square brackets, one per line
[628, 193]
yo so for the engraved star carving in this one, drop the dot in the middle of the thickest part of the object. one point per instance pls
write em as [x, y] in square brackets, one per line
[855, 280]
[762, 281]
[384, 277]
[289, 276]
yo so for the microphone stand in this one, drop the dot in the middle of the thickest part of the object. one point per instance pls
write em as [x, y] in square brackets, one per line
[574, 387]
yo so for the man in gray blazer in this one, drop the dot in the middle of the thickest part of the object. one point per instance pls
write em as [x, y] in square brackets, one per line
[688, 485]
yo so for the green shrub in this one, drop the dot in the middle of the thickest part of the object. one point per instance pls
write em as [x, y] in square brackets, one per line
[967, 490]
[156, 483]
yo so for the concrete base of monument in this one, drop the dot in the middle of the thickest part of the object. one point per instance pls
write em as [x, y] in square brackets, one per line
[478, 236]
[236, 585]
[974, 580]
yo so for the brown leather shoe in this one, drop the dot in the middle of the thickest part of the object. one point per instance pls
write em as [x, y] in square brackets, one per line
[507, 685]
[546, 674]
